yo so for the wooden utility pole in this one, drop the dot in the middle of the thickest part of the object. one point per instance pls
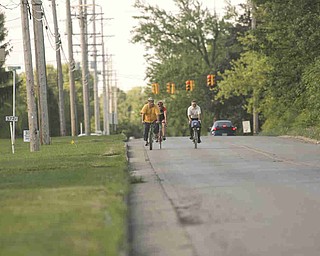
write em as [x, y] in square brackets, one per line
[73, 108]
[85, 75]
[37, 13]
[106, 123]
[115, 98]
[255, 99]
[32, 108]
[59, 70]
[95, 81]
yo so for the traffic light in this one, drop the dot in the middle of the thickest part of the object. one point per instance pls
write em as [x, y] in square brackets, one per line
[173, 88]
[156, 85]
[168, 87]
[213, 80]
[188, 85]
[209, 80]
[155, 88]
[191, 85]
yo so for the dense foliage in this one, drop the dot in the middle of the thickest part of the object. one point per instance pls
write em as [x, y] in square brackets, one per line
[272, 68]
[5, 79]
[188, 45]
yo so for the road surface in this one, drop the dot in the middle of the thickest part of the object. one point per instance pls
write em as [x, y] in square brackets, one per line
[233, 196]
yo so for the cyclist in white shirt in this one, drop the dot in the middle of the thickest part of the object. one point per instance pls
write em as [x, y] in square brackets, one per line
[194, 113]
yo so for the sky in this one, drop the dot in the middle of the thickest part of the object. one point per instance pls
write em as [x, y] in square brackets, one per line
[128, 62]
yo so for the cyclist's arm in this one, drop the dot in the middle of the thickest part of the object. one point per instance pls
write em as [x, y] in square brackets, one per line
[142, 117]
[165, 116]
[199, 114]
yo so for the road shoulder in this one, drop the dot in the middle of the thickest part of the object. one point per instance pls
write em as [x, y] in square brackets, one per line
[154, 228]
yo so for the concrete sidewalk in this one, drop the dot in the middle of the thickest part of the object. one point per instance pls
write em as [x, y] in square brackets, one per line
[154, 228]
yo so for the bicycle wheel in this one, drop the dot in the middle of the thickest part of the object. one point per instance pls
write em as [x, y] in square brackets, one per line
[160, 136]
[150, 136]
[195, 137]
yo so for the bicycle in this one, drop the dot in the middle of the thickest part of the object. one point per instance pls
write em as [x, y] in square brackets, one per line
[151, 134]
[195, 125]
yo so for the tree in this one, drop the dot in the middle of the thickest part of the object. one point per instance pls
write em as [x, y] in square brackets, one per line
[187, 45]
[247, 77]
[5, 80]
[288, 34]
[129, 107]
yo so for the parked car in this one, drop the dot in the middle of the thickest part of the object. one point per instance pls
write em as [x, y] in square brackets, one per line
[223, 127]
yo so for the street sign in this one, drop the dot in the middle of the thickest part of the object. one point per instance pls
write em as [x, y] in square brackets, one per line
[246, 126]
[11, 119]
[26, 136]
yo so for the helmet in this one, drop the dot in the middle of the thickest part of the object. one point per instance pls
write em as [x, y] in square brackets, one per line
[150, 99]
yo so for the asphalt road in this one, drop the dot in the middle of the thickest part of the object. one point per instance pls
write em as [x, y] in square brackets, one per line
[233, 196]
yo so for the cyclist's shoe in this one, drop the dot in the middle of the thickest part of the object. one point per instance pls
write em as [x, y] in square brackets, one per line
[157, 140]
[164, 138]
[146, 143]
[191, 138]
[199, 141]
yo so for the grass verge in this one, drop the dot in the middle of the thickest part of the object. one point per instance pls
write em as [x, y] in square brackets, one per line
[66, 199]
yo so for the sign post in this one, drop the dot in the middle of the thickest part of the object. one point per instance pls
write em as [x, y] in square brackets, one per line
[13, 129]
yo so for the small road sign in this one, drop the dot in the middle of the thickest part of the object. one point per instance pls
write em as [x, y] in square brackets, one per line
[11, 119]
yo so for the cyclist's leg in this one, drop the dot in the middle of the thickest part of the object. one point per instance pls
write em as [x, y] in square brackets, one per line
[146, 132]
[191, 130]
[163, 130]
[156, 129]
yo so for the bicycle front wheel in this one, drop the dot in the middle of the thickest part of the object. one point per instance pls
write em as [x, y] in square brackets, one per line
[160, 136]
[195, 137]
[150, 137]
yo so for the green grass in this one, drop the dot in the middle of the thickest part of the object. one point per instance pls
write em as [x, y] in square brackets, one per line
[66, 199]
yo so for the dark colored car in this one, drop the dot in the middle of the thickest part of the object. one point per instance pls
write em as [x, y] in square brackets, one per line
[223, 127]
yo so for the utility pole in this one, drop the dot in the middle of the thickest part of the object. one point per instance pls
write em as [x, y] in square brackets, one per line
[73, 108]
[95, 81]
[255, 97]
[106, 122]
[59, 70]
[85, 75]
[32, 108]
[115, 98]
[109, 87]
[41, 70]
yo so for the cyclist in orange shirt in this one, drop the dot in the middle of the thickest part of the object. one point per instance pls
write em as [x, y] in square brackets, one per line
[150, 114]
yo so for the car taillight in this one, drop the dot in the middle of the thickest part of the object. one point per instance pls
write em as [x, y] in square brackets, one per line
[215, 128]
[234, 128]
